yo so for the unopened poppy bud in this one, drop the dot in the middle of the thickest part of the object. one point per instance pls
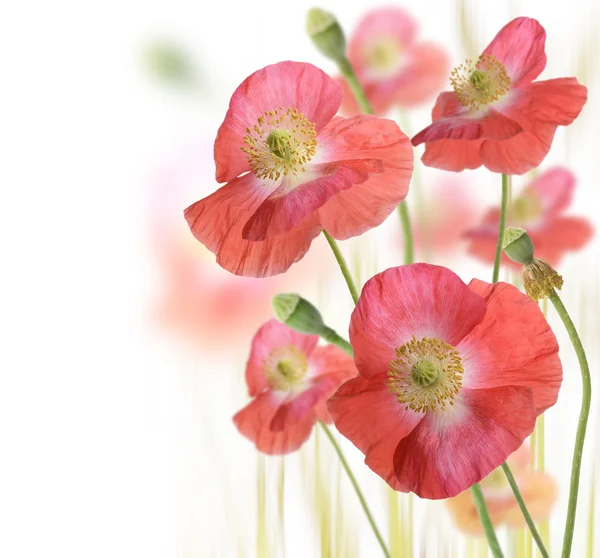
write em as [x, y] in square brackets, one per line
[298, 314]
[326, 34]
[517, 245]
[540, 279]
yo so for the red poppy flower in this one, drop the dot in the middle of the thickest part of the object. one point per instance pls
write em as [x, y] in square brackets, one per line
[539, 210]
[497, 116]
[292, 169]
[290, 378]
[393, 68]
[451, 378]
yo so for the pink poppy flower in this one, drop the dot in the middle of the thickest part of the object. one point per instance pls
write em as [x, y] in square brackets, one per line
[292, 170]
[289, 378]
[539, 490]
[540, 210]
[497, 116]
[451, 378]
[391, 65]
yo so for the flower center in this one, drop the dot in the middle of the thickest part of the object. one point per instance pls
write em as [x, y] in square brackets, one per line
[525, 209]
[426, 375]
[480, 83]
[285, 367]
[383, 56]
[281, 142]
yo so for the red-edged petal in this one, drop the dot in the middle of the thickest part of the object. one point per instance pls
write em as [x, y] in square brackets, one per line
[288, 205]
[286, 84]
[512, 345]
[554, 188]
[519, 45]
[453, 155]
[273, 335]
[217, 221]
[420, 300]
[253, 422]
[366, 205]
[491, 126]
[369, 415]
[385, 23]
[445, 455]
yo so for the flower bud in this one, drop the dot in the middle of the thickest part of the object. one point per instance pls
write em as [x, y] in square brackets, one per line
[540, 279]
[326, 34]
[298, 314]
[517, 245]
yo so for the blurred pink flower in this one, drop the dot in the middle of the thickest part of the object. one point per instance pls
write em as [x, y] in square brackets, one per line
[539, 210]
[449, 210]
[392, 66]
[537, 488]
[197, 299]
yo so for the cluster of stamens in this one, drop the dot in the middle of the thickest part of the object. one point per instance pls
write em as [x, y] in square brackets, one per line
[281, 142]
[426, 375]
[285, 367]
[480, 83]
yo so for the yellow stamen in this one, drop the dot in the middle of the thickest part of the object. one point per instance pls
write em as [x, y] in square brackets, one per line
[481, 83]
[281, 142]
[285, 367]
[426, 375]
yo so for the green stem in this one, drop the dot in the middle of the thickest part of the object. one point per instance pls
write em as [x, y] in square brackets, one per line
[486, 522]
[581, 426]
[503, 205]
[343, 266]
[359, 493]
[332, 337]
[526, 515]
[409, 256]
[365, 106]
[359, 93]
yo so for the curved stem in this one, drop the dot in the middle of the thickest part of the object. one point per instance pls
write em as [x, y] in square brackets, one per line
[343, 266]
[409, 256]
[504, 203]
[526, 515]
[486, 522]
[359, 93]
[359, 493]
[332, 337]
[581, 426]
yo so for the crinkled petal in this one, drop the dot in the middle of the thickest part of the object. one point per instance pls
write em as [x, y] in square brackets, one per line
[453, 155]
[366, 205]
[273, 335]
[254, 420]
[420, 300]
[217, 221]
[519, 45]
[446, 454]
[512, 345]
[369, 415]
[286, 84]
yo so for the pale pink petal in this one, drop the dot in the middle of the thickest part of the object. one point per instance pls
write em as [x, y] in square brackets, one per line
[420, 300]
[273, 335]
[561, 235]
[514, 332]
[554, 188]
[448, 452]
[286, 84]
[519, 45]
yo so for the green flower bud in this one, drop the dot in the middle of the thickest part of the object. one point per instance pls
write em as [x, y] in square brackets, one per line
[517, 245]
[298, 314]
[170, 64]
[326, 34]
